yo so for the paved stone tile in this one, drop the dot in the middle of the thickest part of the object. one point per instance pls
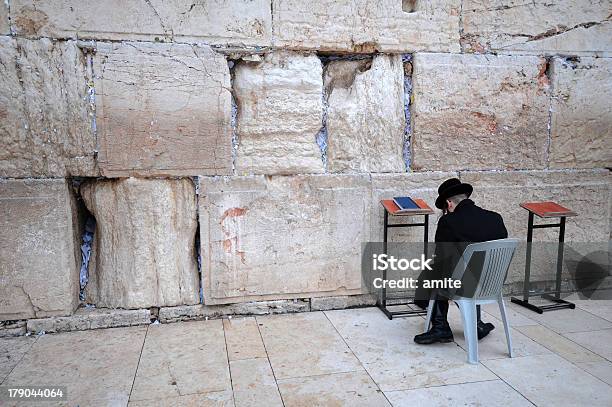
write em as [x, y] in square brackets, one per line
[488, 393]
[568, 320]
[601, 370]
[305, 345]
[97, 366]
[514, 316]
[181, 359]
[213, 399]
[494, 346]
[243, 339]
[254, 384]
[601, 308]
[549, 380]
[11, 352]
[341, 389]
[559, 344]
[599, 342]
[389, 354]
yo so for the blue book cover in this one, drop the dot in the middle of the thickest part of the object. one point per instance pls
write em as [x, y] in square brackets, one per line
[404, 202]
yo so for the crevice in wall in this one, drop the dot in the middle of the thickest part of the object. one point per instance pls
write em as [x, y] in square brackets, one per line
[8, 17]
[85, 230]
[197, 251]
[231, 63]
[406, 149]
[546, 77]
[89, 52]
[409, 6]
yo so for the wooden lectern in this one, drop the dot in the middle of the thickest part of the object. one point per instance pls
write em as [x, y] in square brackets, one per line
[545, 210]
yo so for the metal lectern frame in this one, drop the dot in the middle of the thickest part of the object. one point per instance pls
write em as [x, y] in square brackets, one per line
[554, 296]
[382, 301]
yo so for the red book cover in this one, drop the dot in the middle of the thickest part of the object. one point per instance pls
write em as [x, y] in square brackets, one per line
[547, 209]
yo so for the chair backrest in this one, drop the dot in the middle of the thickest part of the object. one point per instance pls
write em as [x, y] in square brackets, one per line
[497, 257]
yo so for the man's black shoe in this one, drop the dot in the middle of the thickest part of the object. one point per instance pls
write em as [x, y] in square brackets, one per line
[484, 329]
[441, 334]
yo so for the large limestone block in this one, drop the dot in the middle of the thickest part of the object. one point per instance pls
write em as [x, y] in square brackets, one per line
[538, 27]
[282, 237]
[38, 259]
[279, 114]
[144, 244]
[581, 134]
[479, 112]
[365, 116]
[367, 26]
[162, 109]
[5, 29]
[45, 114]
[235, 22]
[587, 192]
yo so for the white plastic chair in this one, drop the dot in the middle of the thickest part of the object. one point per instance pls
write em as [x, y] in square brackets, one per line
[497, 258]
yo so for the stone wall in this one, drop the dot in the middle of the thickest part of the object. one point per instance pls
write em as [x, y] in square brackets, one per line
[234, 151]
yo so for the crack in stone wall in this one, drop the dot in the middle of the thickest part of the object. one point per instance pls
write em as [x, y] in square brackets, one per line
[406, 151]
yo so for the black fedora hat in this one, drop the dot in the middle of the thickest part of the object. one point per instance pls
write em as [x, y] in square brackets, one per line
[449, 188]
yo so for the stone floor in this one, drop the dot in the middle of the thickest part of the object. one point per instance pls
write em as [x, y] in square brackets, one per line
[351, 358]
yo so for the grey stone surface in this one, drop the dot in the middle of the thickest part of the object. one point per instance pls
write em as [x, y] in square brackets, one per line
[241, 22]
[201, 311]
[5, 29]
[9, 328]
[279, 114]
[365, 114]
[581, 131]
[538, 27]
[313, 227]
[38, 255]
[144, 245]
[85, 319]
[79, 360]
[365, 26]
[341, 302]
[45, 113]
[479, 112]
[162, 109]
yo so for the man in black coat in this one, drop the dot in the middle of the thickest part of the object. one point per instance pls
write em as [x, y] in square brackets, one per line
[461, 224]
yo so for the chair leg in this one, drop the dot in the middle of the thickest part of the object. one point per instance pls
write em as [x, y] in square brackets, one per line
[502, 311]
[429, 313]
[468, 314]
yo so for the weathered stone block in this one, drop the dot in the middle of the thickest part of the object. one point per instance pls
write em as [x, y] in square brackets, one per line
[282, 237]
[45, 115]
[144, 244]
[241, 22]
[538, 27]
[5, 29]
[85, 319]
[342, 302]
[162, 109]
[365, 117]
[38, 259]
[581, 132]
[366, 26]
[416, 185]
[585, 191]
[279, 114]
[201, 311]
[479, 112]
